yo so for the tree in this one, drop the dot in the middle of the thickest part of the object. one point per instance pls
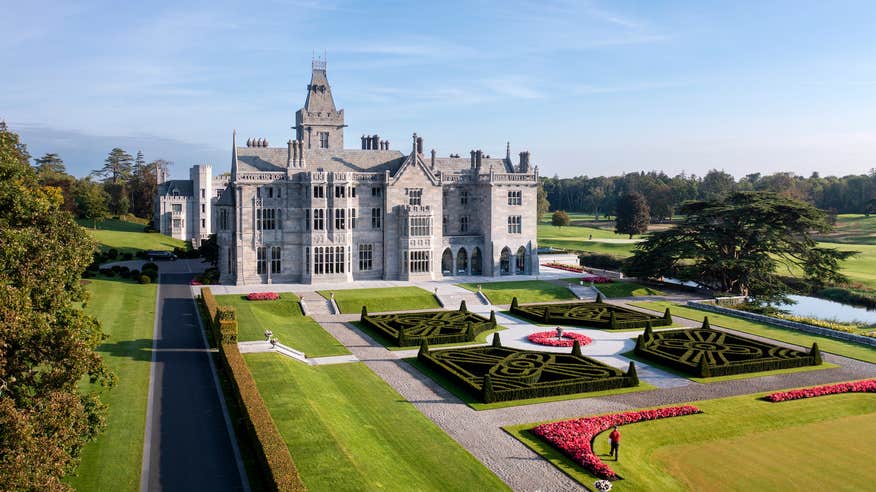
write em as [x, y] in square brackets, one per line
[116, 168]
[716, 185]
[91, 200]
[46, 341]
[50, 171]
[560, 218]
[542, 203]
[209, 250]
[740, 244]
[50, 163]
[632, 215]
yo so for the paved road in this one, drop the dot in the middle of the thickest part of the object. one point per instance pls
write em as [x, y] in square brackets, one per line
[188, 446]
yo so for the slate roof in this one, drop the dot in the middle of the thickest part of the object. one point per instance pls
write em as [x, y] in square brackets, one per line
[267, 159]
[183, 187]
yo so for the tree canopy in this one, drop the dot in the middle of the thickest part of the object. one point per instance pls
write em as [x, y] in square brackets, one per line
[46, 341]
[560, 218]
[632, 215]
[742, 244]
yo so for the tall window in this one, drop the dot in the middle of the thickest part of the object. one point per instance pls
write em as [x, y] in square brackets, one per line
[266, 219]
[420, 226]
[323, 140]
[375, 218]
[375, 191]
[463, 224]
[203, 223]
[340, 214]
[203, 208]
[229, 253]
[261, 262]
[340, 191]
[203, 193]
[307, 260]
[176, 207]
[515, 198]
[366, 257]
[270, 192]
[319, 191]
[463, 197]
[444, 225]
[352, 218]
[415, 196]
[328, 259]
[276, 254]
[318, 219]
[353, 191]
[307, 219]
[177, 223]
[420, 261]
[514, 224]
[223, 219]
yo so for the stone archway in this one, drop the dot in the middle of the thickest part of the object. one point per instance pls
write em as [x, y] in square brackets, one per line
[520, 264]
[477, 262]
[462, 262]
[447, 262]
[505, 261]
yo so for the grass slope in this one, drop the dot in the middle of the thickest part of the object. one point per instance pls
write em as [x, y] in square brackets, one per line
[523, 290]
[740, 443]
[626, 289]
[126, 312]
[285, 319]
[383, 299]
[128, 237]
[349, 430]
[839, 347]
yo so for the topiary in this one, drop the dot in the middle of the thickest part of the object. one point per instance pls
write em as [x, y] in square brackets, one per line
[648, 331]
[112, 254]
[667, 315]
[632, 375]
[364, 313]
[599, 297]
[487, 389]
[152, 274]
[149, 266]
[424, 347]
[514, 303]
[135, 274]
[704, 370]
[493, 318]
[612, 320]
[496, 341]
[576, 349]
[640, 344]
[144, 279]
[706, 325]
[462, 307]
[816, 354]
[469, 330]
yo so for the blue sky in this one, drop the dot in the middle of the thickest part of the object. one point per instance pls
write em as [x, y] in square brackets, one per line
[594, 88]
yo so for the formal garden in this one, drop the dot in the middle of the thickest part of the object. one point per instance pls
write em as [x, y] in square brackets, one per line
[590, 314]
[433, 327]
[496, 373]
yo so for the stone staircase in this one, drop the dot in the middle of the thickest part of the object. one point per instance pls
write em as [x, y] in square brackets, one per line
[451, 297]
[315, 304]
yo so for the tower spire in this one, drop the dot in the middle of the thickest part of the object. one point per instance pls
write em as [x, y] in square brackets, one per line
[234, 155]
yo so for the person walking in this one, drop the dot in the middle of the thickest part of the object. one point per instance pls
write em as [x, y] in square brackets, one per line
[614, 439]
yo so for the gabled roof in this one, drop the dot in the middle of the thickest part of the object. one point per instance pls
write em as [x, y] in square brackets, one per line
[226, 198]
[273, 159]
[182, 187]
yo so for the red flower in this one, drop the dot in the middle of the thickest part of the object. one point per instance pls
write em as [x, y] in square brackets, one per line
[575, 437]
[549, 338]
[866, 386]
[262, 296]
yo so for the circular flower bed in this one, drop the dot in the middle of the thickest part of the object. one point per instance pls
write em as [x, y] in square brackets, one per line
[550, 339]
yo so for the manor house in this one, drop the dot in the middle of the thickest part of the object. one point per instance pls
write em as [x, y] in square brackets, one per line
[312, 211]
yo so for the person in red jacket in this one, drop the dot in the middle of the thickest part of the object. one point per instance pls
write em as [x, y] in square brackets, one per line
[614, 439]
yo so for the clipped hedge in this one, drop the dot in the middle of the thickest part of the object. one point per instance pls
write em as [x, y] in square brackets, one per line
[434, 327]
[591, 314]
[495, 373]
[271, 450]
[704, 352]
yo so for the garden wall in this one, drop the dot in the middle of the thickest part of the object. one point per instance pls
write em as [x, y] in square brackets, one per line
[817, 330]
[272, 453]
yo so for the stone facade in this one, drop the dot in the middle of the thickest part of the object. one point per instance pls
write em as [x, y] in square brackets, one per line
[314, 212]
[184, 207]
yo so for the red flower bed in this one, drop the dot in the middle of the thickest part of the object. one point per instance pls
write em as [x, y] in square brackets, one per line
[568, 268]
[262, 296]
[575, 437]
[550, 338]
[867, 386]
[598, 279]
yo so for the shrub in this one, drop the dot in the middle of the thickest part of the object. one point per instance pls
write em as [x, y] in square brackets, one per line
[116, 268]
[149, 266]
[152, 274]
[593, 314]
[108, 272]
[135, 274]
[602, 261]
[112, 253]
[145, 279]
[127, 257]
[632, 374]
[125, 273]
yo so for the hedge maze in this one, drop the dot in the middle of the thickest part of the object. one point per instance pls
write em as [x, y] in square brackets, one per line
[432, 326]
[704, 352]
[593, 314]
[497, 373]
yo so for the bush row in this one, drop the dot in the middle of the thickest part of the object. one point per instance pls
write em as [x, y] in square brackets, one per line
[847, 296]
[272, 453]
[601, 261]
[589, 314]
[466, 331]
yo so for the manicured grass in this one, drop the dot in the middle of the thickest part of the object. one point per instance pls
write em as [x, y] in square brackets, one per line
[626, 289]
[348, 430]
[523, 290]
[126, 312]
[838, 347]
[739, 443]
[128, 237]
[284, 318]
[383, 299]
[466, 398]
[853, 229]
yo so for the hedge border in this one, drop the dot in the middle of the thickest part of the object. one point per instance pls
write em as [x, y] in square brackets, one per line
[271, 450]
[478, 325]
[531, 311]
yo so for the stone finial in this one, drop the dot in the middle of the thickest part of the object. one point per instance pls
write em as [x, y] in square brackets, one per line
[289, 160]
[414, 143]
[419, 145]
[473, 159]
[433, 158]
[508, 150]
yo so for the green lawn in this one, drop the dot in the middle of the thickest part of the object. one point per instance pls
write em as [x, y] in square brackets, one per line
[741, 443]
[128, 237]
[839, 347]
[523, 290]
[284, 318]
[853, 229]
[126, 312]
[348, 430]
[626, 289]
[383, 299]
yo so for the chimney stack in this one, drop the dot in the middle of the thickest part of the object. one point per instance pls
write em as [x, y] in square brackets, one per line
[363, 142]
[524, 161]
[479, 155]
[433, 158]
[289, 154]
[472, 159]
[375, 140]
[420, 145]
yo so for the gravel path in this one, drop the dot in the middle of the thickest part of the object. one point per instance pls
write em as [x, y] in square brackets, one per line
[480, 432]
